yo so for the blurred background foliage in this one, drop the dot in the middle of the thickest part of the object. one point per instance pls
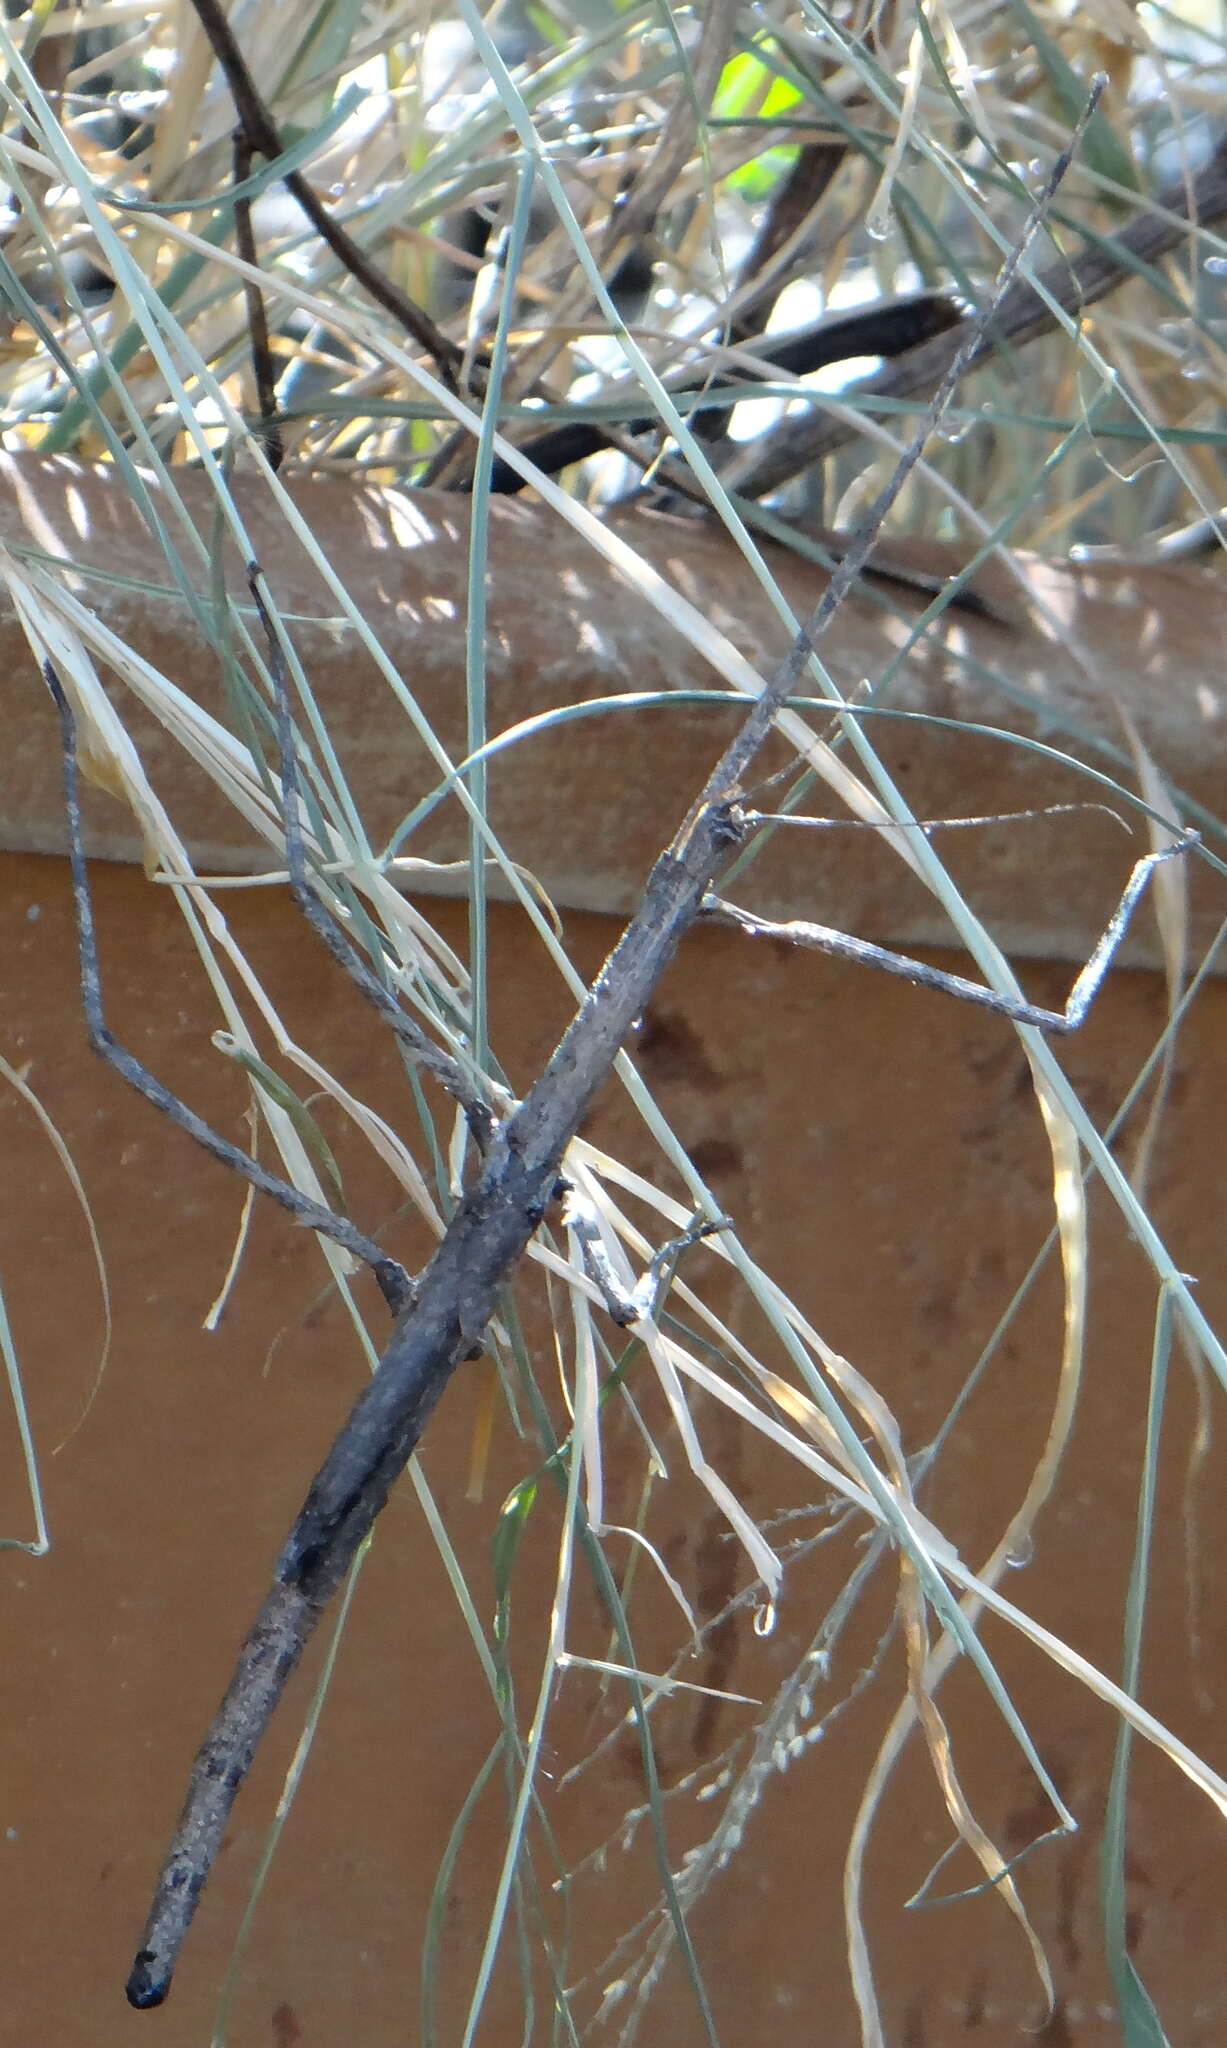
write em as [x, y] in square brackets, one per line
[730, 169]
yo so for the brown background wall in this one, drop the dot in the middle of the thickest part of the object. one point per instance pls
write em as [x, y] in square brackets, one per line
[881, 1146]
[880, 1150]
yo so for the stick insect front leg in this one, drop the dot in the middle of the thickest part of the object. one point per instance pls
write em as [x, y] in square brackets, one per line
[397, 1287]
[822, 938]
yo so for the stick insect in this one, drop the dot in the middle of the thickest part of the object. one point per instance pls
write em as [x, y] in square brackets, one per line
[381, 1432]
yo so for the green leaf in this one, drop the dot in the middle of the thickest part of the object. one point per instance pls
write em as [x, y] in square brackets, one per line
[1140, 2023]
[300, 1116]
[751, 87]
[508, 1529]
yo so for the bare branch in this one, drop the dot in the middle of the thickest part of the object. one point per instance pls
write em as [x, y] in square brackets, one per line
[263, 369]
[261, 135]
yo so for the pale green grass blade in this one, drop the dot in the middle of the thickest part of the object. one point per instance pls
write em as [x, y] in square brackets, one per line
[1140, 2023]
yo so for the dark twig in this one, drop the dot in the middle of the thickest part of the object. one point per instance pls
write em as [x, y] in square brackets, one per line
[257, 320]
[260, 130]
[1019, 315]
[489, 1232]
[794, 203]
[787, 228]
[440, 1065]
[887, 329]
[394, 1282]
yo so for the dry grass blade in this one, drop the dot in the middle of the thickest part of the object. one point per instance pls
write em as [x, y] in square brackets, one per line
[486, 251]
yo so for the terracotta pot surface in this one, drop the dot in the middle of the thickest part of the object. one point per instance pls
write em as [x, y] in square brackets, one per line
[880, 1148]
